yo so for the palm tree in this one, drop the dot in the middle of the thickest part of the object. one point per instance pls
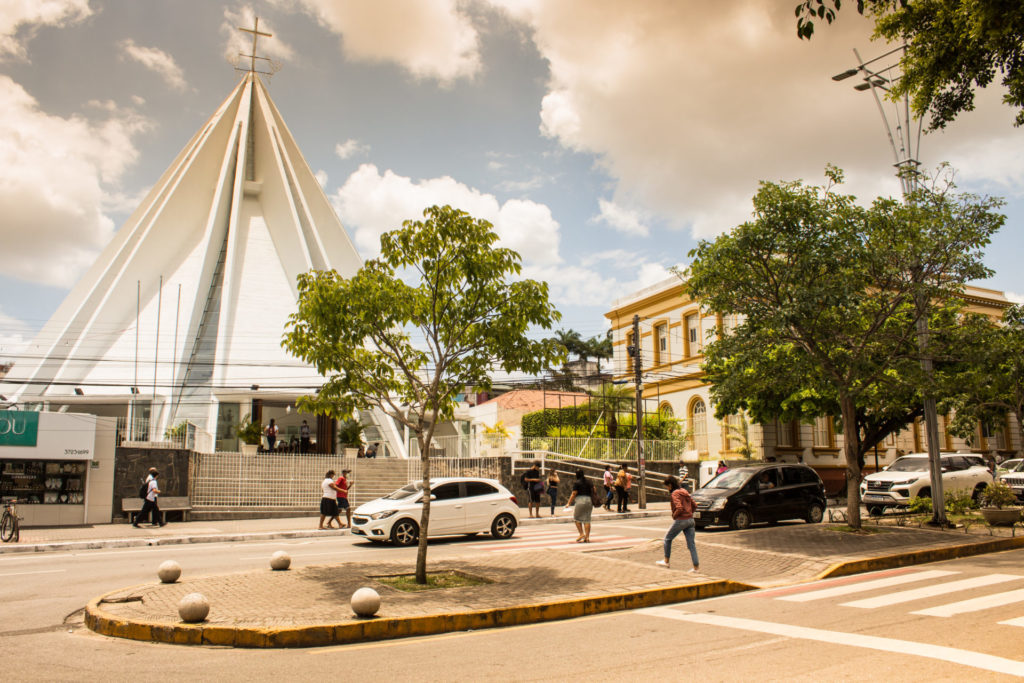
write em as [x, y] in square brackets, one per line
[610, 400]
[571, 340]
[600, 348]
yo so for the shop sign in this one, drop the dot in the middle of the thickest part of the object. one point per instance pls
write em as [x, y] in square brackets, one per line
[19, 428]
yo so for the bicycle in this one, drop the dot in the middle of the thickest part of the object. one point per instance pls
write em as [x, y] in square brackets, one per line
[9, 528]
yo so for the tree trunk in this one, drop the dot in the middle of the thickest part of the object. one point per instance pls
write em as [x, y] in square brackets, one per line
[849, 416]
[421, 552]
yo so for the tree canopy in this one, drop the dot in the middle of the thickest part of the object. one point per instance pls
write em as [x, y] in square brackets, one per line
[954, 47]
[439, 310]
[826, 290]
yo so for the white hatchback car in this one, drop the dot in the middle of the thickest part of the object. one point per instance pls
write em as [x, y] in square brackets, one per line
[458, 505]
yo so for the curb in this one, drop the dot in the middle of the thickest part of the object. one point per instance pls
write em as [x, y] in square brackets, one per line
[142, 542]
[871, 564]
[374, 629]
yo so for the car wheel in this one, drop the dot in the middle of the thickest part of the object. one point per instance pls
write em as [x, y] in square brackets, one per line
[815, 513]
[740, 520]
[503, 526]
[976, 495]
[405, 532]
[926, 492]
[875, 510]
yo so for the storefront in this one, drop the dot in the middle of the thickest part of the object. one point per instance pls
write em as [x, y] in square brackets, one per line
[58, 466]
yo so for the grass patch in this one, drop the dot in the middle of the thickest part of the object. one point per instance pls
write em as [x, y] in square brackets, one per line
[448, 579]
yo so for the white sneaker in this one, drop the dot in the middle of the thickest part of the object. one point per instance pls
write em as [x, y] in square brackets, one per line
[662, 563]
[693, 571]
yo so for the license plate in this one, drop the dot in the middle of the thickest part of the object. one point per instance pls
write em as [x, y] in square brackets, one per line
[696, 515]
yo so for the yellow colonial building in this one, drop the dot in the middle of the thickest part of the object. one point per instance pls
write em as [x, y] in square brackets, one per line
[673, 332]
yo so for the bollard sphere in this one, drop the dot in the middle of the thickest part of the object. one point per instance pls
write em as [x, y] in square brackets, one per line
[169, 571]
[365, 602]
[193, 608]
[280, 561]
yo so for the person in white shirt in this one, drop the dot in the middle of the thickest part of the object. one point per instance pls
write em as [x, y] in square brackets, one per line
[329, 501]
[149, 506]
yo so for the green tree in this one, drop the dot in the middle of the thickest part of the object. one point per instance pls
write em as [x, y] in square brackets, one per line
[611, 401]
[991, 384]
[826, 291]
[953, 47]
[438, 311]
[600, 348]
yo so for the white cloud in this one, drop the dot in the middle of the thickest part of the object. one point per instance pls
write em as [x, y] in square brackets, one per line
[428, 38]
[579, 285]
[688, 105]
[238, 43]
[371, 203]
[1015, 297]
[20, 19]
[14, 338]
[321, 177]
[627, 221]
[55, 175]
[350, 148]
[157, 61]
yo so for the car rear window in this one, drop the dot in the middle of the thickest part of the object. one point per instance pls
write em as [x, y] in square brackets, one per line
[479, 488]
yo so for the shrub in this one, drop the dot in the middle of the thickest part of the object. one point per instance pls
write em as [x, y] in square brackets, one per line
[958, 502]
[249, 432]
[920, 504]
[998, 495]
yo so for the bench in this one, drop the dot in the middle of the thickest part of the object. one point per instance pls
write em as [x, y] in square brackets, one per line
[166, 504]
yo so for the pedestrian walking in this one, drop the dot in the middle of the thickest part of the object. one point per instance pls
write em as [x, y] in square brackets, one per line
[329, 501]
[271, 435]
[531, 481]
[623, 482]
[304, 437]
[343, 488]
[682, 514]
[150, 507]
[609, 487]
[581, 500]
[553, 489]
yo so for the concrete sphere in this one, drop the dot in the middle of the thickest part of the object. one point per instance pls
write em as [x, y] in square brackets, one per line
[193, 608]
[365, 602]
[169, 571]
[280, 561]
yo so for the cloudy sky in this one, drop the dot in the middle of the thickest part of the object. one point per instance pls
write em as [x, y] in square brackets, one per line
[601, 138]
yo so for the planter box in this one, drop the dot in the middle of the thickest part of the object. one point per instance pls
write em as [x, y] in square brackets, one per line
[248, 448]
[1001, 516]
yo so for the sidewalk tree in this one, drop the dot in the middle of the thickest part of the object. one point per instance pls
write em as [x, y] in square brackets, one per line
[954, 47]
[826, 290]
[439, 310]
[990, 385]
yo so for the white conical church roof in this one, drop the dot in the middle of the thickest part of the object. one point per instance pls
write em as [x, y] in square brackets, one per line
[191, 297]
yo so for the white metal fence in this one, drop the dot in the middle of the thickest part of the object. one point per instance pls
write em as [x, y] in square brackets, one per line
[605, 449]
[261, 480]
[143, 433]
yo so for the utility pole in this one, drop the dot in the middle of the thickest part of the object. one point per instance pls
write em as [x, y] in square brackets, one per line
[641, 497]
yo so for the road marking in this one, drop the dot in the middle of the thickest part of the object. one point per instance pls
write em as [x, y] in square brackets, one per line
[932, 591]
[977, 660]
[828, 583]
[865, 586]
[975, 604]
[1019, 621]
[41, 571]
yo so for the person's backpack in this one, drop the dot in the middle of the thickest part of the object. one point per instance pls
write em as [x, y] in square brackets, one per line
[144, 489]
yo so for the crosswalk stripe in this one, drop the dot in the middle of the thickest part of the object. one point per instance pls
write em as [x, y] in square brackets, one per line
[865, 586]
[974, 604]
[1019, 621]
[931, 591]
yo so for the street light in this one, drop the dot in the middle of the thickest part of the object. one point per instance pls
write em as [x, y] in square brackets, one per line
[905, 148]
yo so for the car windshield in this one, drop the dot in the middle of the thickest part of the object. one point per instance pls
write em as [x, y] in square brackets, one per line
[405, 491]
[732, 479]
[1019, 467]
[911, 464]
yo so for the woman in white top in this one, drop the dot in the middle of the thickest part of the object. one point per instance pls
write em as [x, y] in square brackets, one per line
[329, 501]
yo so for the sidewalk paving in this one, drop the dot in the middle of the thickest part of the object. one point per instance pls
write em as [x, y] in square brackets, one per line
[309, 605]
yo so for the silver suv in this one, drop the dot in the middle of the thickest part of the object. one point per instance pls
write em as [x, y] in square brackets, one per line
[910, 476]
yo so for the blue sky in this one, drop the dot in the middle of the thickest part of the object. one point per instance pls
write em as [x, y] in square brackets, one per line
[601, 138]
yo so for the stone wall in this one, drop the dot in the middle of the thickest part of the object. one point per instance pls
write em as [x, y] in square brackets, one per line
[132, 464]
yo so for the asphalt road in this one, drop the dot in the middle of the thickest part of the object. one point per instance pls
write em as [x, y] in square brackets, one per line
[859, 629]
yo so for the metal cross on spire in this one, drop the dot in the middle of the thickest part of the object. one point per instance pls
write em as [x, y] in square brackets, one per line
[256, 33]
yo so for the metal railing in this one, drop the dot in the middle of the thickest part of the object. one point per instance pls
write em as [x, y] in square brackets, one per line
[225, 479]
[143, 432]
[604, 449]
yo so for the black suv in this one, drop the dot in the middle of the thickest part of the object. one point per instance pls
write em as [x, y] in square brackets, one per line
[763, 493]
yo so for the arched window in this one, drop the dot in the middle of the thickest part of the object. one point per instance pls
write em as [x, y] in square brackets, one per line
[699, 421]
[666, 409]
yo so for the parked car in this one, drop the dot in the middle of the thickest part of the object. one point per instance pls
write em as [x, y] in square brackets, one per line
[742, 496]
[1008, 465]
[910, 476]
[458, 505]
[1014, 478]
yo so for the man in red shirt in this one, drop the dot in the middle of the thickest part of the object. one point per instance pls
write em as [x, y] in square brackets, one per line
[343, 488]
[682, 514]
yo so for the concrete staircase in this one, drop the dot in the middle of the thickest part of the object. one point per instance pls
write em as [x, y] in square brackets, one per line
[375, 477]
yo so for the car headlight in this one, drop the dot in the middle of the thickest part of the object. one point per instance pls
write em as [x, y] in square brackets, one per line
[383, 515]
[717, 504]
